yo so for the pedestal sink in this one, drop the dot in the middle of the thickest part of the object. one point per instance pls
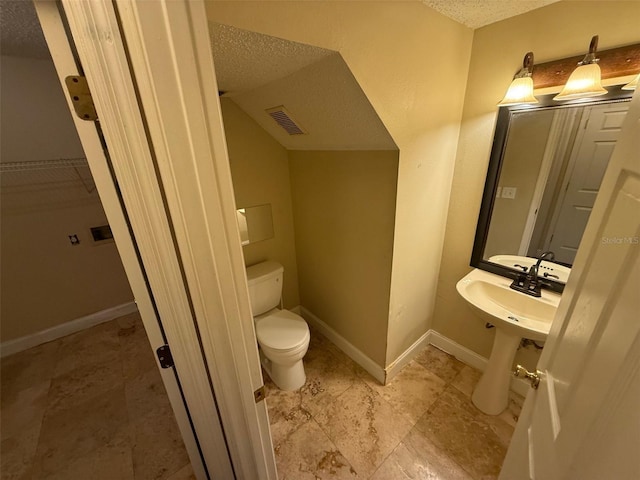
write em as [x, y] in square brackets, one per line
[515, 316]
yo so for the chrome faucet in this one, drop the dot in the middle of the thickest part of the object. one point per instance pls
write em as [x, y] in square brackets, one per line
[529, 283]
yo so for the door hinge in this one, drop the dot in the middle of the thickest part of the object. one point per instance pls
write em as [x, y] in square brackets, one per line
[165, 357]
[260, 394]
[81, 97]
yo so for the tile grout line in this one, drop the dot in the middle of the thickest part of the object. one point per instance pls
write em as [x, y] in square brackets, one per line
[441, 364]
[414, 424]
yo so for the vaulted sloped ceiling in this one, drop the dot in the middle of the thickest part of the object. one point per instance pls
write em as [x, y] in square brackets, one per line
[315, 86]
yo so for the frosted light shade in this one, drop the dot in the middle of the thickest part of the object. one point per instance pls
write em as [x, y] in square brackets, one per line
[584, 82]
[633, 84]
[520, 91]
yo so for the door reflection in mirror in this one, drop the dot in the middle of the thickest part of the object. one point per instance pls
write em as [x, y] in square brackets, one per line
[553, 164]
[255, 223]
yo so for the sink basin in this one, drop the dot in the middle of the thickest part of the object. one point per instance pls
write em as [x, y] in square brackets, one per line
[515, 316]
[491, 298]
[551, 269]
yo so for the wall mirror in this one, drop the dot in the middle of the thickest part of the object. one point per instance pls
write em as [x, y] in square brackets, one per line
[255, 223]
[545, 169]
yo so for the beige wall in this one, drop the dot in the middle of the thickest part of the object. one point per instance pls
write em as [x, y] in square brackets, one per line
[344, 208]
[521, 166]
[36, 121]
[412, 64]
[260, 171]
[556, 31]
[45, 280]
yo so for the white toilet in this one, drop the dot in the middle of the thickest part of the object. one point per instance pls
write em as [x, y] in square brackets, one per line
[283, 336]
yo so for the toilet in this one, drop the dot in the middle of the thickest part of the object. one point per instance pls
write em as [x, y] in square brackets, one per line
[282, 335]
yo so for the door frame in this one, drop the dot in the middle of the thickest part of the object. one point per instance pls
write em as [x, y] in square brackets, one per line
[173, 174]
[554, 152]
[65, 64]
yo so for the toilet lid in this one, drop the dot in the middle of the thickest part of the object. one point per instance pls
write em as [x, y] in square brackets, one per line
[281, 330]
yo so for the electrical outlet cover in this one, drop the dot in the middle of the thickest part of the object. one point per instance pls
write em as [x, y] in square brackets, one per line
[509, 192]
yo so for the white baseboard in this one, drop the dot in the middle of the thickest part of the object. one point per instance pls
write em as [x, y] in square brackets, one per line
[384, 376]
[520, 386]
[463, 354]
[409, 354]
[28, 341]
[343, 344]
[471, 358]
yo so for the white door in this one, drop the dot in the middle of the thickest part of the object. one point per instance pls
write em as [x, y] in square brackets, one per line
[158, 109]
[583, 422]
[599, 131]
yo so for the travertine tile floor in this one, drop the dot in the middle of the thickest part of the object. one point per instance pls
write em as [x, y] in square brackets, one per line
[93, 406]
[89, 406]
[343, 424]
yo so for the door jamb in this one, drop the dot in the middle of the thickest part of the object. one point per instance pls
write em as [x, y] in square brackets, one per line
[169, 49]
[176, 186]
[65, 64]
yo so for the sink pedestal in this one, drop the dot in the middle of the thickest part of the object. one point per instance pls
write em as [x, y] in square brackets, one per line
[491, 394]
[515, 316]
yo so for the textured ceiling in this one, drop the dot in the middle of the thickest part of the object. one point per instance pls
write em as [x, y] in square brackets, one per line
[327, 102]
[314, 85]
[20, 32]
[245, 60]
[478, 13]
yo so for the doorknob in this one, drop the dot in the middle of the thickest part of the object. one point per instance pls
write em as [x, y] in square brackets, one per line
[533, 377]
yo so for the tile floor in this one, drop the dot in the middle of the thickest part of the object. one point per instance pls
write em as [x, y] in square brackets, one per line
[343, 424]
[92, 405]
[89, 406]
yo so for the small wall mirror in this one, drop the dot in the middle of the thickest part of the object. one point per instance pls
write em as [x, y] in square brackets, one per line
[255, 223]
[545, 170]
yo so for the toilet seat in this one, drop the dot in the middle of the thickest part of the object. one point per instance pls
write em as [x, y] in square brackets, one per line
[282, 330]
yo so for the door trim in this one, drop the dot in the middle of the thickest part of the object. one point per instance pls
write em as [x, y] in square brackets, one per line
[173, 172]
[170, 54]
[66, 64]
[104, 64]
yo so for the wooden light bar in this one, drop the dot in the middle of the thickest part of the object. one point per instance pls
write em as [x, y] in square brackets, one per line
[615, 62]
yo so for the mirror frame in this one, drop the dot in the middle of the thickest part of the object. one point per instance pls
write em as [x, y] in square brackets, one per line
[615, 94]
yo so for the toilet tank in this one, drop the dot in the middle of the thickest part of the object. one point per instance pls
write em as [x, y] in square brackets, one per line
[265, 286]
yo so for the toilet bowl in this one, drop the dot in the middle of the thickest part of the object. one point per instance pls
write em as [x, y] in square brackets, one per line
[283, 336]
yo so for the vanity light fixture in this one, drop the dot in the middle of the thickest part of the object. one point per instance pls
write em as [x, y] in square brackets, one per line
[633, 84]
[586, 80]
[520, 91]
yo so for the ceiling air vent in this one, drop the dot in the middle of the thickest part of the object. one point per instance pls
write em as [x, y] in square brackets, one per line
[283, 118]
